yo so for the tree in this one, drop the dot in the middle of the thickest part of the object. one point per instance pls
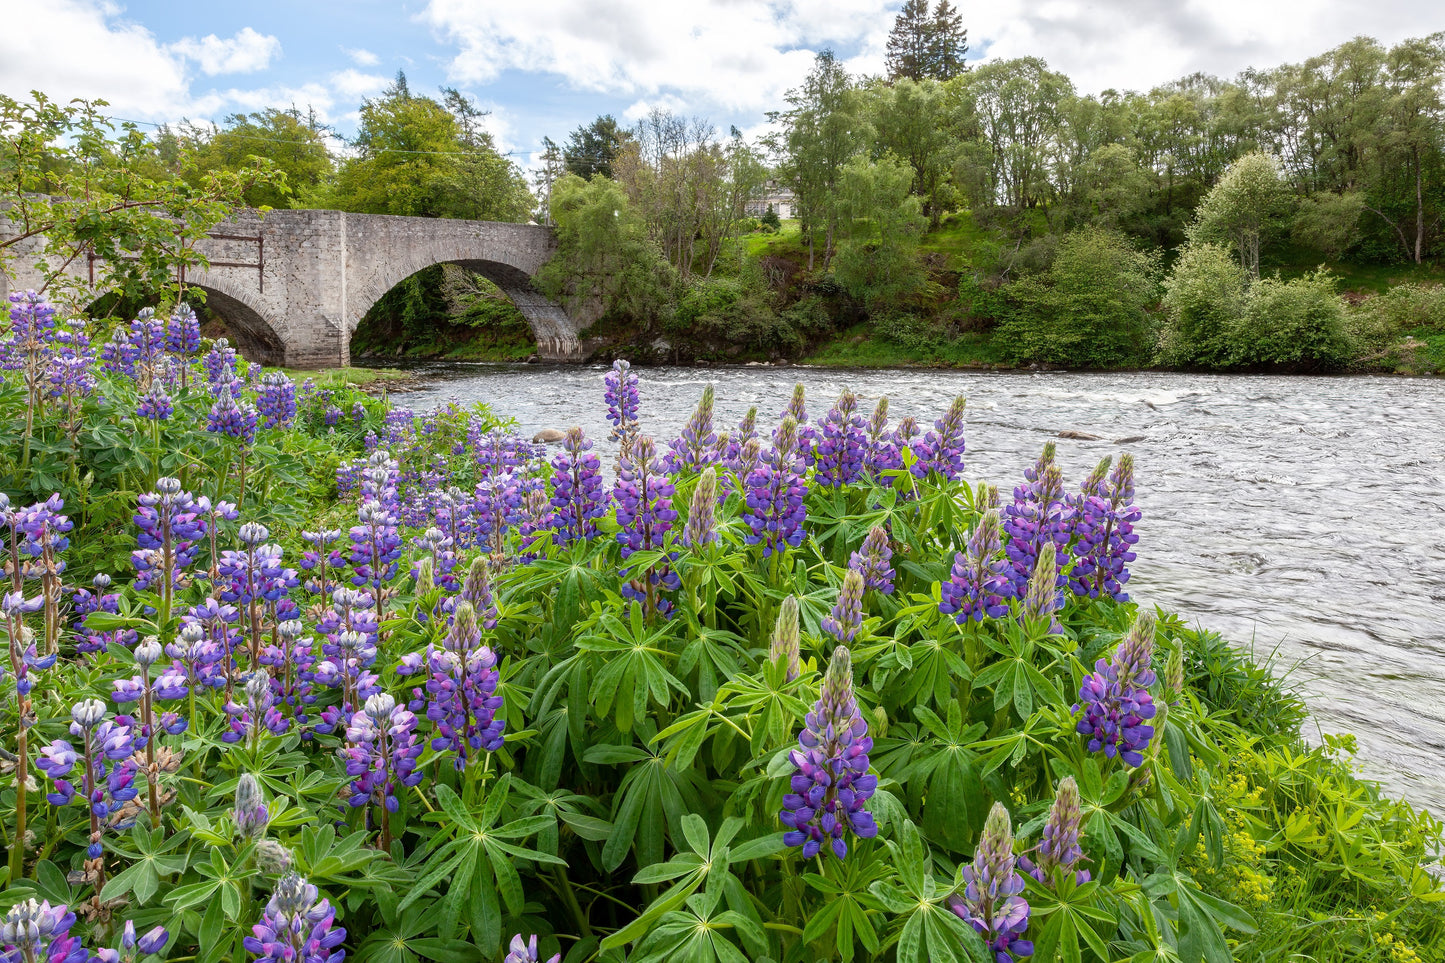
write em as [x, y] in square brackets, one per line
[823, 129]
[72, 187]
[418, 158]
[905, 117]
[1205, 296]
[922, 47]
[293, 143]
[948, 42]
[1243, 209]
[880, 222]
[910, 42]
[592, 149]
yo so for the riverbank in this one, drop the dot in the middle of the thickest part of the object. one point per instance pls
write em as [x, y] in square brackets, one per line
[580, 735]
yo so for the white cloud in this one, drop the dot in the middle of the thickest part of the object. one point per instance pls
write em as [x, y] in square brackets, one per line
[361, 56]
[355, 85]
[736, 55]
[246, 52]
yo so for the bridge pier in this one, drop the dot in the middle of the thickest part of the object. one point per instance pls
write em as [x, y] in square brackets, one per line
[293, 285]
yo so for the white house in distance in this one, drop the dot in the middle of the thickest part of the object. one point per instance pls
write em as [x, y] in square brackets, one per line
[774, 195]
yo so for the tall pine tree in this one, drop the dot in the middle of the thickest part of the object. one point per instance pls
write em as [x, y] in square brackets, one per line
[910, 44]
[948, 42]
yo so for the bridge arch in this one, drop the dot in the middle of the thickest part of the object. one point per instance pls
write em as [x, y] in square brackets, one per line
[247, 326]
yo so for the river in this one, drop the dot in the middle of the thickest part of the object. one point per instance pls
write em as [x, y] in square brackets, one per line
[1302, 516]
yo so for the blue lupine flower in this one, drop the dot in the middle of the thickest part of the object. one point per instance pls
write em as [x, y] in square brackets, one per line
[990, 901]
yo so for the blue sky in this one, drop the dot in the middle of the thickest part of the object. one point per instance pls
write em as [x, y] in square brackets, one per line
[544, 67]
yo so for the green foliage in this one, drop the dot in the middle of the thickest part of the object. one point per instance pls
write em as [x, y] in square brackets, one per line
[605, 264]
[1298, 324]
[1091, 308]
[880, 221]
[1247, 205]
[293, 146]
[72, 186]
[1204, 296]
[421, 158]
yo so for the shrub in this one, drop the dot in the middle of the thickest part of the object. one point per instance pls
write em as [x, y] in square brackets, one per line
[770, 220]
[1091, 308]
[1204, 298]
[1298, 323]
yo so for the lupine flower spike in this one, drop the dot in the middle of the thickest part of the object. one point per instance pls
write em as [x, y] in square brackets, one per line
[846, 618]
[874, 561]
[831, 784]
[1058, 848]
[1115, 698]
[784, 648]
[991, 902]
[296, 927]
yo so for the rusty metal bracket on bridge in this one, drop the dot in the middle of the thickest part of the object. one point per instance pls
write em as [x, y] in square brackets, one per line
[259, 265]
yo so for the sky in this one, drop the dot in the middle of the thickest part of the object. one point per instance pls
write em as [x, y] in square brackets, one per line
[546, 67]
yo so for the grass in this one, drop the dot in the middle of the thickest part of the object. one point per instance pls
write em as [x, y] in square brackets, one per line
[348, 376]
[859, 347]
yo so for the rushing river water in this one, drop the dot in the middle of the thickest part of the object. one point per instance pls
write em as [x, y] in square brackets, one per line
[1304, 516]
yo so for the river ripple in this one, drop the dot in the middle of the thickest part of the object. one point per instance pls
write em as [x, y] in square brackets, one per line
[1303, 516]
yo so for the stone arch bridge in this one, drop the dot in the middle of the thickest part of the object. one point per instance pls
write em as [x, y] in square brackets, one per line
[293, 285]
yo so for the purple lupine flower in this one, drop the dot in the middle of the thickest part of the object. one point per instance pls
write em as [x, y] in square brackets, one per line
[1104, 529]
[1115, 698]
[381, 751]
[940, 453]
[701, 528]
[375, 548]
[838, 460]
[1058, 847]
[69, 373]
[749, 457]
[882, 453]
[183, 331]
[1038, 515]
[874, 561]
[133, 947]
[623, 402]
[255, 579]
[250, 813]
[213, 514]
[747, 431]
[40, 933]
[24, 658]
[197, 657]
[291, 660]
[296, 927]
[696, 447]
[276, 401]
[321, 561]
[155, 404]
[89, 641]
[477, 592]
[107, 774]
[645, 515]
[257, 713]
[170, 530]
[805, 433]
[774, 499]
[235, 420]
[332, 417]
[978, 586]
[783, 648]
[461, 691]
[991, 902]
[577, 489]
[846, 618]
[831, 783]
[219, 361]
[525, 951]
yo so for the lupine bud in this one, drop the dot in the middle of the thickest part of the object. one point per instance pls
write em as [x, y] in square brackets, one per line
[148, 652]
[1043, 594]
[1058, 846]
[1174, 675]
[847, 615]
[784, 649]
[701, 528]
[250, 813]
[272, 858]
[991, 902]
[425, 581]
